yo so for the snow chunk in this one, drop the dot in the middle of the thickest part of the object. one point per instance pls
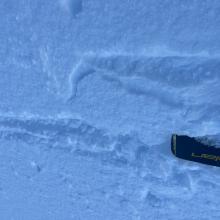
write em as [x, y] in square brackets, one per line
[74, 7]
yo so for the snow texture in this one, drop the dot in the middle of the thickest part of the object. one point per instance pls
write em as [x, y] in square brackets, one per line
[91, 92]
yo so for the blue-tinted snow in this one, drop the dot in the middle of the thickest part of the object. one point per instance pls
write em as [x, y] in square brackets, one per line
[91, 92]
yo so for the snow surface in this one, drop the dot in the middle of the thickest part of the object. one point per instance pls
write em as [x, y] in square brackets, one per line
[91, 92]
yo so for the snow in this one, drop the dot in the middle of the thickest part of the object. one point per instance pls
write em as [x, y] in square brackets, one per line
[91, 92]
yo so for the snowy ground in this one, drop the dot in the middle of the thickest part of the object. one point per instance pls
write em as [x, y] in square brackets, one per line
[91, 92]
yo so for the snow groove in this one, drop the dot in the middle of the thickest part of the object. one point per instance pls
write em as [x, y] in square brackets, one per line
[143, 75]
[73, 135]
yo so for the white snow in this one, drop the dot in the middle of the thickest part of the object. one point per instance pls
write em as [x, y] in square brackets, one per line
[91, 92]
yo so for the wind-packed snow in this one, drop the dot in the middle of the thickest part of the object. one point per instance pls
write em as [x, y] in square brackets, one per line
[90, 93]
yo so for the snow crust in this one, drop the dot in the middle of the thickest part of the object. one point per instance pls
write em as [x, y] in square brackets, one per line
[91, 92]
